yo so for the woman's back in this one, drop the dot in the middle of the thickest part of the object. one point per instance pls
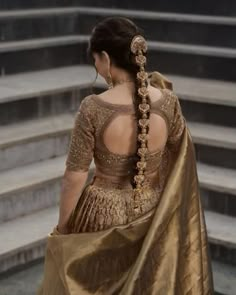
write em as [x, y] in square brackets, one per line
[120, 135]
[110, 133]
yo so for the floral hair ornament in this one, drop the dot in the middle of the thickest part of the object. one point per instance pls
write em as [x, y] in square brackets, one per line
[138, 47]
[138, 44]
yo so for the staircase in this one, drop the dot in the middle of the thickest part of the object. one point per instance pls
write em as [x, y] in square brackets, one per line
[44, 77]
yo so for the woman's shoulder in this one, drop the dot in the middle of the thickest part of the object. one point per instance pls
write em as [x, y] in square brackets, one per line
[168, 105]
[88, 104]
[87, 100]
[93, 107]
[164, 98]
[87, 107]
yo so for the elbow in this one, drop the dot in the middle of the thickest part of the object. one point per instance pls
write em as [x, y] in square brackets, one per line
[74, 180]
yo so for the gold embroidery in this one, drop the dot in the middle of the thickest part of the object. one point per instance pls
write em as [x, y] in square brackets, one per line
[105, 202]
[103, 205]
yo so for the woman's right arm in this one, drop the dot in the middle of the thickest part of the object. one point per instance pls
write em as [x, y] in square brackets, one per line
[78, 161]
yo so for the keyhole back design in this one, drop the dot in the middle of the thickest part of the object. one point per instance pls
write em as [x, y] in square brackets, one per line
[116, 137]
[120, 134]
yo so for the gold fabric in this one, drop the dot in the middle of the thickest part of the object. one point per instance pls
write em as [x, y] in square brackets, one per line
[160, 250]
[160, 81]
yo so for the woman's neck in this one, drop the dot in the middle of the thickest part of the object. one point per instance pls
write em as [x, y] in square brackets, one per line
[120, 76]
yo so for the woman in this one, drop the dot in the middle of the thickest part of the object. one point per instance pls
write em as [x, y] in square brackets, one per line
[138, 227]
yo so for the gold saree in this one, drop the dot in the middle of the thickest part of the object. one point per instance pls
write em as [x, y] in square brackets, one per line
[163, 252]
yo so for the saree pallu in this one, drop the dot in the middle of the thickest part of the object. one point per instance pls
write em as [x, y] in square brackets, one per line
[163, 252]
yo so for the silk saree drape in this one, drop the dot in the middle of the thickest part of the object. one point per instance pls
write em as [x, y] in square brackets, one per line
[163, 252]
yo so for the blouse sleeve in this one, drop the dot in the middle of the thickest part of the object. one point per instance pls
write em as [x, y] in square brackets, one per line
[177, 123]
[81, 146]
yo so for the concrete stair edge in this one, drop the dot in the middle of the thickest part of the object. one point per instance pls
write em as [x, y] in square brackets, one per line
[224, 277]
[38, 43]
[32, 232]
[33, 130]
[44, 12]
[28, 85]
[45, 82]
[213, 135]
[218, 179]
[221, 229]
[34, 174]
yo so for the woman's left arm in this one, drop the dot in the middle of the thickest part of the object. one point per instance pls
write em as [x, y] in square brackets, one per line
[78, 161]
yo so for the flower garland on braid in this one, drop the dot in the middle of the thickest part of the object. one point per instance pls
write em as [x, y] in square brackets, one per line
[138, 47]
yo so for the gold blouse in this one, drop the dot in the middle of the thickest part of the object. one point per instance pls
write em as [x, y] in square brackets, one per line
[92, 118]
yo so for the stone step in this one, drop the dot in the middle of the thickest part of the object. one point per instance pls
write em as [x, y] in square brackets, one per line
[173, 58]
[28, 85]
[43, 93]
[205, 100]
[169, 27]
[24, 238]
[39, 23]
[183, 6]
[217, 179]
[200, 7]
[32, 187]
[224, 277]
[221, 229]
[215, 145]
[212, 135]
[93, 10]
[222, 234]
[209, 91]
[42, 53]
[22, 281]
[218, 188]
[31, 24]
[16, 46]
[36, 140]
[49, 92]
[24, 190]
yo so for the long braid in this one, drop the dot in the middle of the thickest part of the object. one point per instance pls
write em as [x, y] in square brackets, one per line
[138, 47]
